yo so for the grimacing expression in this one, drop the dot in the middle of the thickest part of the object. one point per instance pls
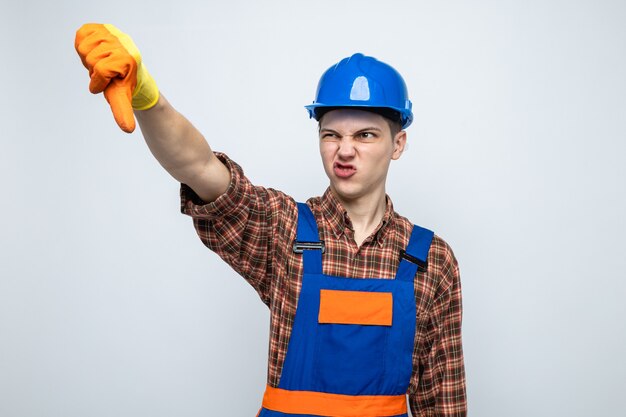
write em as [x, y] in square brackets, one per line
[356, 147]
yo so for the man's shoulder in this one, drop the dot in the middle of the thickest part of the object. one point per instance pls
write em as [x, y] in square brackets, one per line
[404, 223]
[440, 253]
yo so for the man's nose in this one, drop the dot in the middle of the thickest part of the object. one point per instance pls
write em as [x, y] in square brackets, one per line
[346, 147]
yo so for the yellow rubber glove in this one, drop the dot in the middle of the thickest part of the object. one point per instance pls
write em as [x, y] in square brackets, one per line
[116, 68]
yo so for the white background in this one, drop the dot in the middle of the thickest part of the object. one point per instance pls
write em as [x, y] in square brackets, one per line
[111, 306]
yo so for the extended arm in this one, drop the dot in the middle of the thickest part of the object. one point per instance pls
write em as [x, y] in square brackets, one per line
[182, 150]
[117, 70]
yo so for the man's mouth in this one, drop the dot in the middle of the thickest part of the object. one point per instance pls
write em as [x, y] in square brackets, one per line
[343, 170]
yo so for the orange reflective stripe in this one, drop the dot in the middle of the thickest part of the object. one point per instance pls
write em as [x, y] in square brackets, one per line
[336, 405]
[356, 307]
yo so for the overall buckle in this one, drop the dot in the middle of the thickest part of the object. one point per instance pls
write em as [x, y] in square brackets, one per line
[421, 265]
[300, 247]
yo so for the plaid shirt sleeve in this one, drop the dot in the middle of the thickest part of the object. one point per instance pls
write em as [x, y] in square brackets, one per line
[440, 389]
[242, 225]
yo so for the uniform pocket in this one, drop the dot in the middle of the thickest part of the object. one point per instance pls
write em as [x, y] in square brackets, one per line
[353, 331]
[356, 307]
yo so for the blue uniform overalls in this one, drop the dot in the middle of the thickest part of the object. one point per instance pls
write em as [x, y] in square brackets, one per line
[351, 346]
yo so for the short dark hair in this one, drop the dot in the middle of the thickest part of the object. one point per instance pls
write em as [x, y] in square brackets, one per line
[394, 127]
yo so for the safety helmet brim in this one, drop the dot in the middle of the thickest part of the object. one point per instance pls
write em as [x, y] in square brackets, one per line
[316, 111]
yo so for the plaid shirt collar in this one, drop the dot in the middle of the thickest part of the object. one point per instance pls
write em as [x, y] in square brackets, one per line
[339, 222]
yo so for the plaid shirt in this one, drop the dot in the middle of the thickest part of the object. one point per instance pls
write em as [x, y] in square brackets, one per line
[252, 228]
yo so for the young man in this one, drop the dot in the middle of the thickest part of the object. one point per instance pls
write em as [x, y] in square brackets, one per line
[365, 307]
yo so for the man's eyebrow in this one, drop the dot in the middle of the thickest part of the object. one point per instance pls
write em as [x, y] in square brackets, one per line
[326, 129]
[369, 128]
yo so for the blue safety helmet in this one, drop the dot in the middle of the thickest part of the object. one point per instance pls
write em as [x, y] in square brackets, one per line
[363, 82]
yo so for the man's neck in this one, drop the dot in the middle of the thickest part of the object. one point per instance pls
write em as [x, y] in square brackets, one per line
[365, 213]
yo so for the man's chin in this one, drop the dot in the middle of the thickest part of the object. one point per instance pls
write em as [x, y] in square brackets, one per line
[346, 193]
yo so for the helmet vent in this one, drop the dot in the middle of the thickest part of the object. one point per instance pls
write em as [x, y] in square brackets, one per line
[360, 89]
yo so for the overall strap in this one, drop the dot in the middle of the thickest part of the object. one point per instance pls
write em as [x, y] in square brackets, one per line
[307, 241]
[416, 254]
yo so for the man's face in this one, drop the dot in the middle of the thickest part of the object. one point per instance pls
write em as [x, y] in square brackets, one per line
[356, 148]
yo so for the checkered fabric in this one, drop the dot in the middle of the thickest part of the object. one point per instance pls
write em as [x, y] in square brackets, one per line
[253, 228]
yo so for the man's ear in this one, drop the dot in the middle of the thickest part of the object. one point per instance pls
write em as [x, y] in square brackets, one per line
[399, 143]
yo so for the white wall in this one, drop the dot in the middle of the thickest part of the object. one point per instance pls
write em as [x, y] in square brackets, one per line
[111, 306]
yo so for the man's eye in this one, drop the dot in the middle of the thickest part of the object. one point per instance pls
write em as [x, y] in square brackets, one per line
[367, 135]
